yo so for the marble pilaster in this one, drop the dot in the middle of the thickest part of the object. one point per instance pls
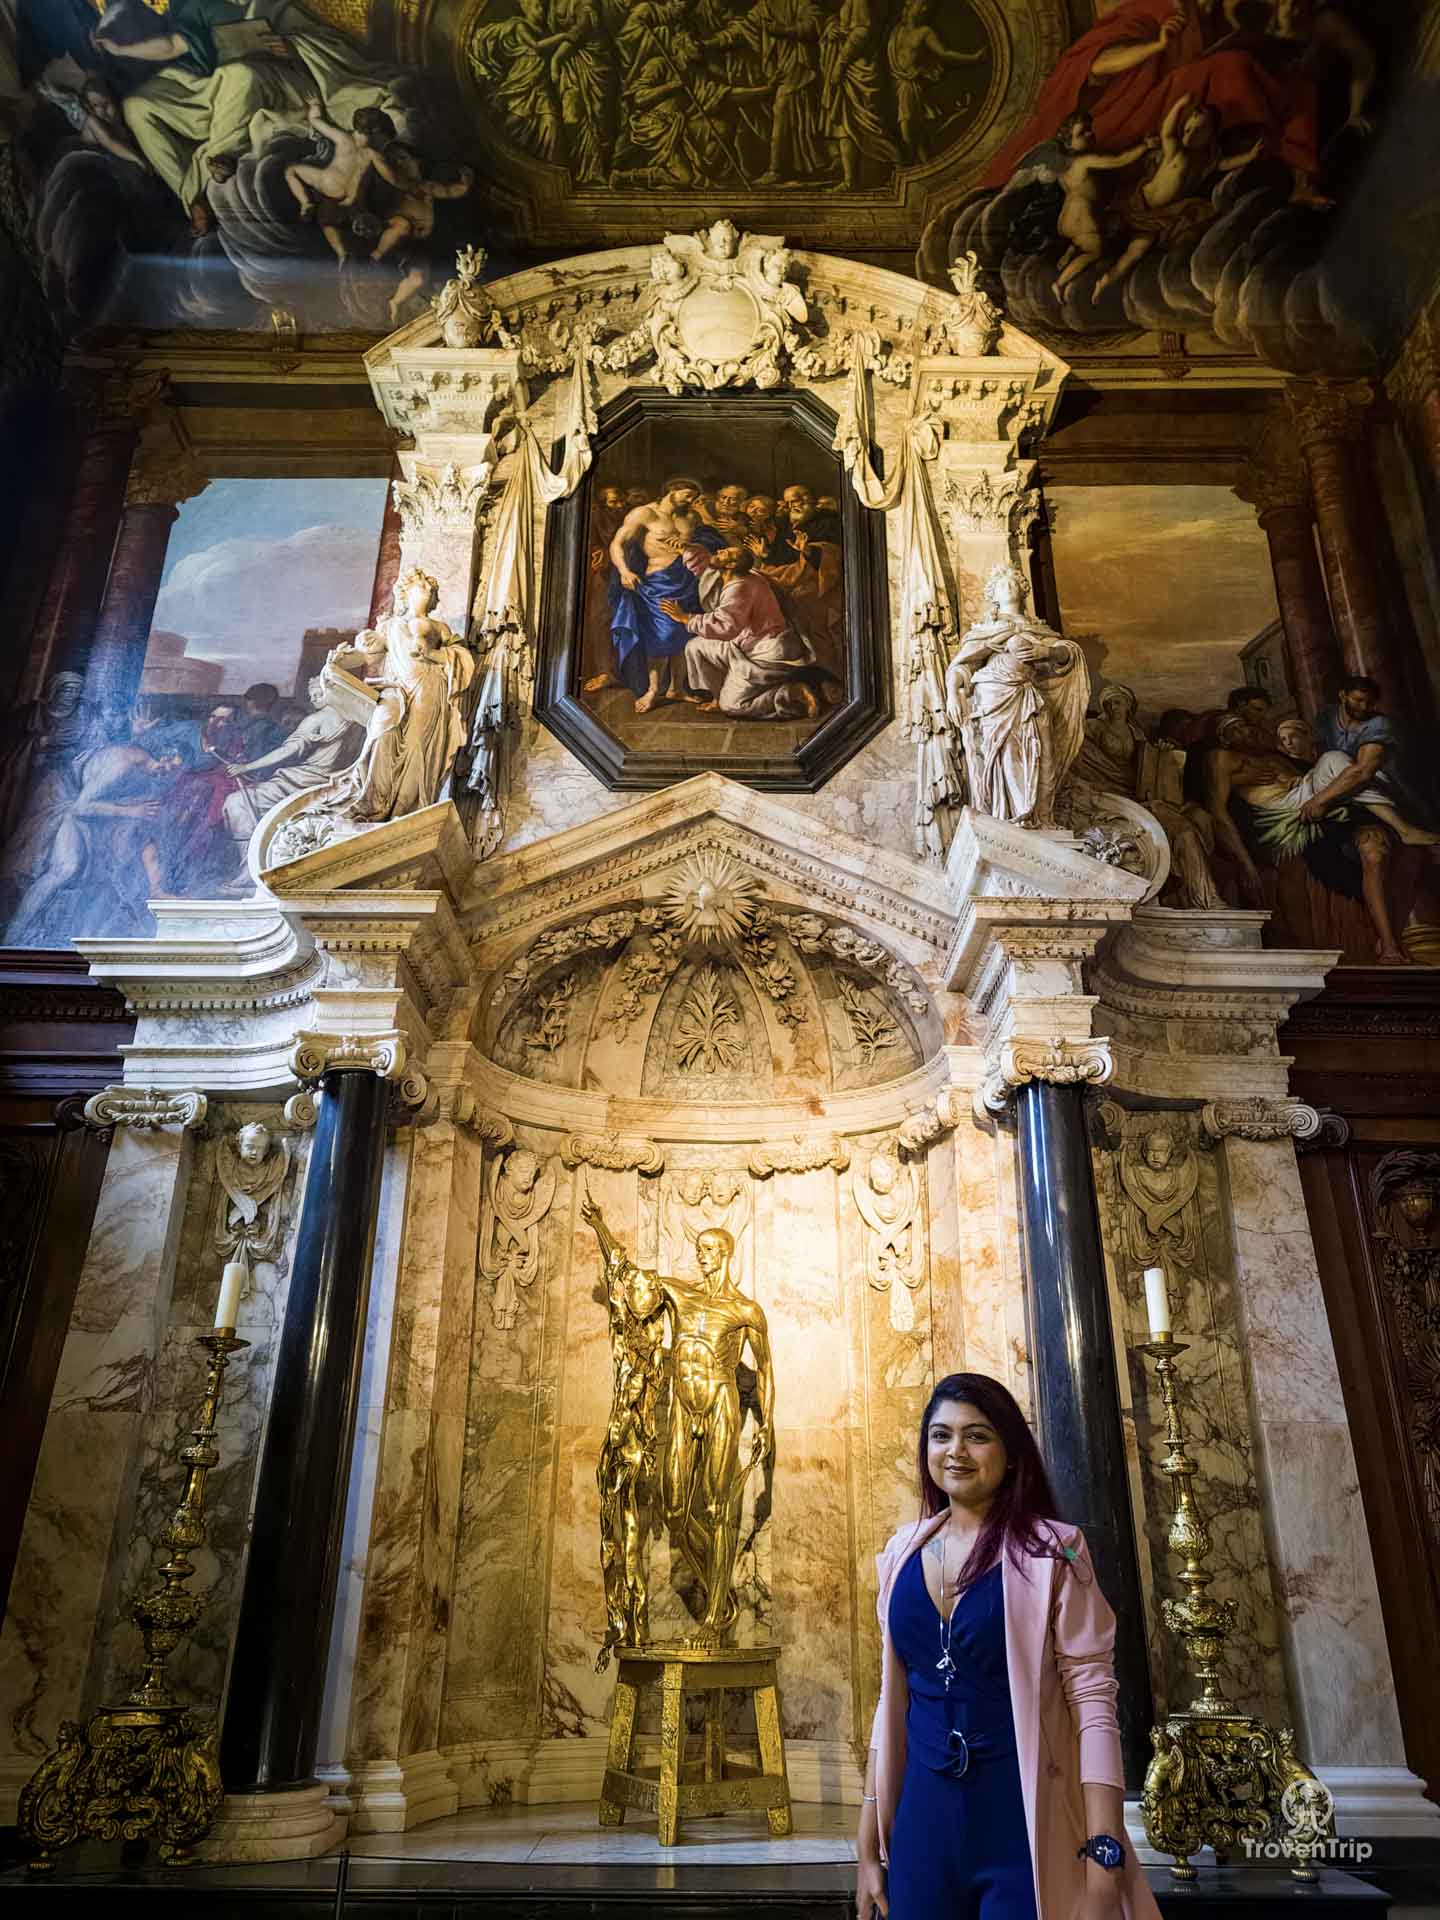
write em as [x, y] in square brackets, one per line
[82, 1504]
[1333, 1635]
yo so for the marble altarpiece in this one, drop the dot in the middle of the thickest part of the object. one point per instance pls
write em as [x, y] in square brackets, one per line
[800, 1016]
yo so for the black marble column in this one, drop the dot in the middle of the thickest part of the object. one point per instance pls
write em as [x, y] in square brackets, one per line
[272, 1714]
[1076, 1392]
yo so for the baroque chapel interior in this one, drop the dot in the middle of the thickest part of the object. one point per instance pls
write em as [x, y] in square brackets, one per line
[712, 711]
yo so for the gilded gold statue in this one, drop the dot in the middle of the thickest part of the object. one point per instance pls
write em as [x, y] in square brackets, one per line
[711, 1323]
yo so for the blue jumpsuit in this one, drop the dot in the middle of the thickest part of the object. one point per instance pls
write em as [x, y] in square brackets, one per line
[959, 1849]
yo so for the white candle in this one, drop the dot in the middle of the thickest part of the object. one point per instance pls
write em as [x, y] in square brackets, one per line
[232, 1285]
[1157, 1302]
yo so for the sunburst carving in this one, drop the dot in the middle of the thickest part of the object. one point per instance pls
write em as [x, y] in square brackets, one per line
[712, 897]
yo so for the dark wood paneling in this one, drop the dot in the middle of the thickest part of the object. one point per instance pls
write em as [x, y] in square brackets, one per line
[1368, 1050]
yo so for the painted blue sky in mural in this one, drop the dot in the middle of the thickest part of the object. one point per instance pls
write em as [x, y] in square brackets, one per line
[253, 564]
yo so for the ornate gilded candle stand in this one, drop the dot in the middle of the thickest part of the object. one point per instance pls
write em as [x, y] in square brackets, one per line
[149, 1767]
[715, 1783]
[1219, 1777]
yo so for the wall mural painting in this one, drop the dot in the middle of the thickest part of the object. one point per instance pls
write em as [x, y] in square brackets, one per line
[209, 162]
[105, 807]
[1193, 715]
[716, 604]
[667, 94]
[1182, 168]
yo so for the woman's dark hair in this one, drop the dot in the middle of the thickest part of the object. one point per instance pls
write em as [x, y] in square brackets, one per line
[1025, 1499]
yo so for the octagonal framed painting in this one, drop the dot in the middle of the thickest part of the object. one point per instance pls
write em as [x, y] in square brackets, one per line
[714, 597]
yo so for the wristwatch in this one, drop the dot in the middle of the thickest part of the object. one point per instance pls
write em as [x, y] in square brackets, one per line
[1104, 1849]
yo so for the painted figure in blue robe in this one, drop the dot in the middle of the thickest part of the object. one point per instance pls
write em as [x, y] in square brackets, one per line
[658, 551]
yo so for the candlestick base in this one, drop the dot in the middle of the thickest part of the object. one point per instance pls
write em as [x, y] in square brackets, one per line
[1218, 1780]
[133, 1773]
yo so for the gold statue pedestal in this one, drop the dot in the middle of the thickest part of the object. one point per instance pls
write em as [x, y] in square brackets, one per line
[714, 1783]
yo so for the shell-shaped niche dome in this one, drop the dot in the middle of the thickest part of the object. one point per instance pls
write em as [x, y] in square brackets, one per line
[713, 994]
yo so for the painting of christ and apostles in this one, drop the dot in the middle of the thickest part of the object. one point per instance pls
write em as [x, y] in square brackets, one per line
[718, 569]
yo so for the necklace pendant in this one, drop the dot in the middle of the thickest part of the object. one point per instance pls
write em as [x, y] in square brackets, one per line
[946, 1666]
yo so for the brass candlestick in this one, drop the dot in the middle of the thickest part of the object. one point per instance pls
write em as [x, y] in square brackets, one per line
[149, 1766]
[1219, 1776]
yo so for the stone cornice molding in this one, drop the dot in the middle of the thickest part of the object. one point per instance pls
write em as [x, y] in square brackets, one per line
[608, 861]
[146, 1108]
[1260, 1119]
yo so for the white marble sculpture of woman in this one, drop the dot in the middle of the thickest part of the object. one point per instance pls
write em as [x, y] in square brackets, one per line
[414, 730]
[1017, 692]
[521, 1190]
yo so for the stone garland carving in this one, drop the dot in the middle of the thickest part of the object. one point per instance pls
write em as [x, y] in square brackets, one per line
[722, 312]
[775, 980]
[145, 1108]
[809, 934]
[801, 1155]
[1405, 1209]
[519, 1194]
[1260, 1119]
[709, 1033]
[250, 1170]
[614, 1154]
[644, 974]
[887, 1198]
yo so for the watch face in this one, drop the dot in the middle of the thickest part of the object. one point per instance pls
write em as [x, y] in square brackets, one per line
[1107, 1852]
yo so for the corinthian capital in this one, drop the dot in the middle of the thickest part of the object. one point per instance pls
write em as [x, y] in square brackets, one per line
[1416, 372]
[164, 471]
[1329, 410]
[434, 497]
[1274, 476]
[145, 1108]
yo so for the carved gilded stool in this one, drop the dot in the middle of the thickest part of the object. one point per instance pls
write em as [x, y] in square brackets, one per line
[715, 1782]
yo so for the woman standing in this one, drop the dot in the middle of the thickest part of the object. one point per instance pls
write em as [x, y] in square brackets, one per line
[994, 1788]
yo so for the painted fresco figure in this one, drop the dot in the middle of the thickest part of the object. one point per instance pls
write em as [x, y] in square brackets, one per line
[318, 748]
[850, 90]
[648, 552]
[916, 57]
[1109, 760]
[743, 652]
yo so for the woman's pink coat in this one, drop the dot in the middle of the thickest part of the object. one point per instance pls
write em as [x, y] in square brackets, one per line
[1059, 1643]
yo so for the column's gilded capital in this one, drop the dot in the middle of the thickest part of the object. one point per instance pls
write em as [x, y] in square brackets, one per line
[1329, 410]
[1260, 1119]
[145, 1108]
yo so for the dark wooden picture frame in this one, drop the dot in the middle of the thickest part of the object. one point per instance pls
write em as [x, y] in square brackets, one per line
[865, 706]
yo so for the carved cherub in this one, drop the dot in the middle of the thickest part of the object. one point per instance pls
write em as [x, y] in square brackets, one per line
[521, 1190]
[251, 1170]
[886, 1199]
[699, 1199]
[1158, 1176]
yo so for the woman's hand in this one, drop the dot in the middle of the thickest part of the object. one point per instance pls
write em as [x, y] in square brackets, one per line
[870, 1897]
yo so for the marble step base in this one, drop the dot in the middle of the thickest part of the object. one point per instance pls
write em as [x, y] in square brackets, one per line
[381, 1889]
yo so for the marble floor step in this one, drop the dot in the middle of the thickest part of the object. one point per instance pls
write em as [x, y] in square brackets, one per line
[434, 1889]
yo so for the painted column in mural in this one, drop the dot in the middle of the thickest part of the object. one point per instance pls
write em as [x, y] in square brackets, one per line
[105, 412]
[1414, 381]
[1361, 569]
[387, 560]
[163, 472]
[1275, 483]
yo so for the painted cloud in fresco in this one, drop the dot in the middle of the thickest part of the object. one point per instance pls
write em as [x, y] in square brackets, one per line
[320, 576]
